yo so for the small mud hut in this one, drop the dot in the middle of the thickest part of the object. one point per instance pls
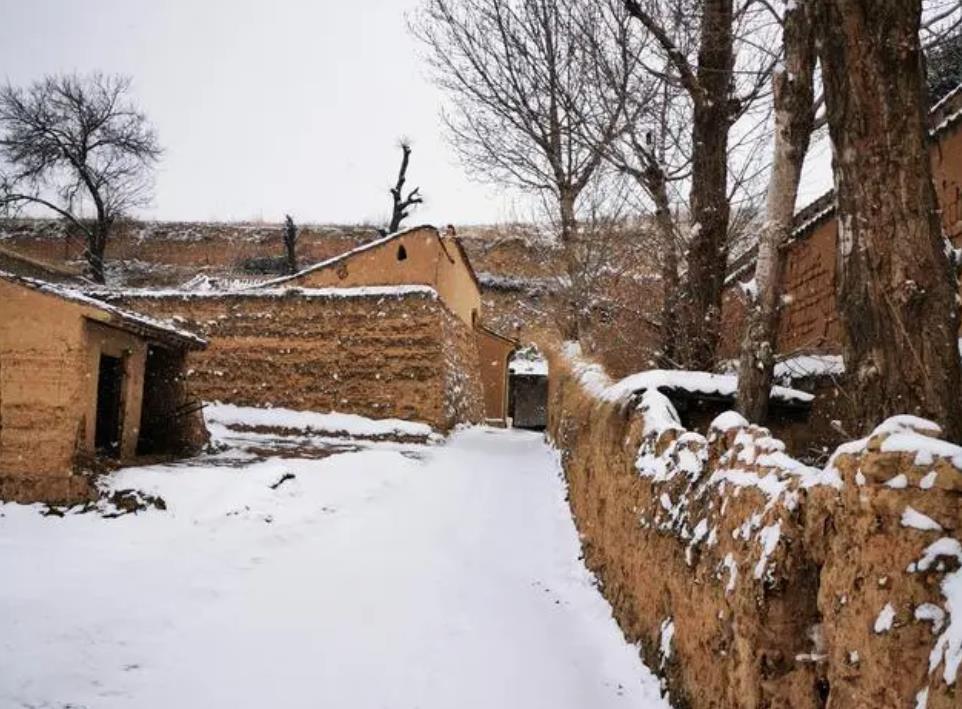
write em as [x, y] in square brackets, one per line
[80, 380]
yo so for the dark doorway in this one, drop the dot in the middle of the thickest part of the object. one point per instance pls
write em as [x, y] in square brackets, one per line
[161, 419]
[110, 385]
[528, 401]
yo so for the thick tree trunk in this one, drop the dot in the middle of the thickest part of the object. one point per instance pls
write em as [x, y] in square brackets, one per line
[896, 289]
[794, 116]
[708, 250]
[96, 252]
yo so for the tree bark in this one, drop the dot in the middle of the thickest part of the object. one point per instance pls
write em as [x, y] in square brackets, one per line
[655, 185]
[794, 118]
[896, 289]
[708, 250]
[290, 244]
[571, 315]
[96, 251]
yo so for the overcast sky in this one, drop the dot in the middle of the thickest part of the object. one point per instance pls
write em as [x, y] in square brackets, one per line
[264, 107]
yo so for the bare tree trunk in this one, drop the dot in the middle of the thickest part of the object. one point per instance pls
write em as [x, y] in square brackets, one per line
[708, 250]
[896, 289]
[794, 117]
[401, 205]
[96, 251]
[655, 185]
[290, 244]
[570, 320]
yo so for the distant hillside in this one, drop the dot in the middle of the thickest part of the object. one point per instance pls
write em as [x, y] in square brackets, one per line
[145, 254]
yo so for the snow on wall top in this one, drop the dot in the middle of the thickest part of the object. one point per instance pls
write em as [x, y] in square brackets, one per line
[706, 383]
[290, 291]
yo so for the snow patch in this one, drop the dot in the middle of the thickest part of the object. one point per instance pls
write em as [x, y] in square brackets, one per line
[665, 638]
[883, 623]
[335, 422]
[768, 538]
[916, 520]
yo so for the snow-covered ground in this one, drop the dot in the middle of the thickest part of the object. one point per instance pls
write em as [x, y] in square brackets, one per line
[384, 575]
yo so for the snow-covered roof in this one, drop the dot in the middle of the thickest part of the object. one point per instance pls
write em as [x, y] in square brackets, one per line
[125, 319]
[809, 365]
[703, 383]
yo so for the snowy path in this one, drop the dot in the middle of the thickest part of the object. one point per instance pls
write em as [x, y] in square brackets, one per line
[372, 579]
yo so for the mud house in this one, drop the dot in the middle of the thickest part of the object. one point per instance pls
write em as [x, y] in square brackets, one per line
[422, 256]
[391, 328]
[80, 379]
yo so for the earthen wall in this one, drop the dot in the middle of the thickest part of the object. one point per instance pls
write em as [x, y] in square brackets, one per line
[750, 581]
[377, 356]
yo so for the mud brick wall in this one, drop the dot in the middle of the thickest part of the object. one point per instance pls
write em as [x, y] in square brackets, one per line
[377, 356]
[810, 317]
[749, 580]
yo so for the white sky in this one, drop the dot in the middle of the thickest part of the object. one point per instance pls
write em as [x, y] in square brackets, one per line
[264, 107]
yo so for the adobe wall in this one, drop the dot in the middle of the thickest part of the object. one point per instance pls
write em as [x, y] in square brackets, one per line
[493, 353]
[454, 282]
[43, 383]
[751, 581]
[381, 265]
[810, 317]
[426, 261]
[377, 356]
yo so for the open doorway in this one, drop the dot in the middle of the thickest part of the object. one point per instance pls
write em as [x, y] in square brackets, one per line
[110, 385]
[162, 416]
[528, 389]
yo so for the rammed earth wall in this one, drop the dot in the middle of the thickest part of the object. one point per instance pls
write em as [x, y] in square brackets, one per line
[750, 580]
[373, 353]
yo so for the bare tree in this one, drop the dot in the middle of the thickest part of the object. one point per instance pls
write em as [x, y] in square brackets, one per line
[698, 47]
[401, 204]
[515, 73]
[897, 291]
[648, 150]
[76, 146]
[793, 84]
[290, 244]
